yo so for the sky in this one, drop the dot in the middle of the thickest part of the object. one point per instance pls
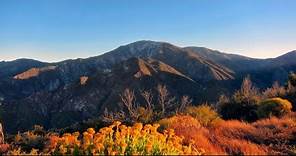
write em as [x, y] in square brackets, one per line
[54, 30]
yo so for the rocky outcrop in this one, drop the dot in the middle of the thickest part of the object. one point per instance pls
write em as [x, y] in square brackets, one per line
[1, 135]
[83, 80]
[33, 72]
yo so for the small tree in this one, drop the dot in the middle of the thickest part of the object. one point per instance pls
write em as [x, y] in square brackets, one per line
[248, 93]
[148, 98]
[274, 107]
[146, 113]
[164, 99]
[275, 91]
[128, 99]
[110, 117]
[184, 102]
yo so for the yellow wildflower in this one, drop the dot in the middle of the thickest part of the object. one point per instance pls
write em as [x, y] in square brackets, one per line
[91, 131]
[149, 147]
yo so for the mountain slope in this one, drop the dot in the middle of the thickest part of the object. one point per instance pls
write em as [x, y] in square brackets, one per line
[262, 71]
[235, 62]
[79, 102]
[286, 59]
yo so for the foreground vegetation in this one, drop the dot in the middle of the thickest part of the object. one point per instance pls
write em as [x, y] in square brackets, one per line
[248, 122]
[180, 134]
[116, 139]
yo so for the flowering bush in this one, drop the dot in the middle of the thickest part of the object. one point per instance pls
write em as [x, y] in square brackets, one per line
[119, 139]
[185, 121]
[205, 114]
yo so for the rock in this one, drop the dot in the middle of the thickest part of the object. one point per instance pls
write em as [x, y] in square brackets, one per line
[83, 80]
[1, 135]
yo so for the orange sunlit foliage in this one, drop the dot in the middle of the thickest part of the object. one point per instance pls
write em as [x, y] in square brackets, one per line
[267, 136]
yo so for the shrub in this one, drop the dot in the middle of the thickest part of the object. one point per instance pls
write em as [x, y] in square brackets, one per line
[4, 148]
[144, 115]
[274, 107]
[240, 111]
[178, 120]
[248, 93]
[34, 139]
[242, 105]
[275, 91]
[188, 127]
[205, 114]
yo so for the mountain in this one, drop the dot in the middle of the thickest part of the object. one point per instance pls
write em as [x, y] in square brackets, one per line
[90, 97]
[68, 71]
[62, 93]
[262, 71]
[186, 61]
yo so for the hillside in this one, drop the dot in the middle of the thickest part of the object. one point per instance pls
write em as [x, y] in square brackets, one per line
[81, 101]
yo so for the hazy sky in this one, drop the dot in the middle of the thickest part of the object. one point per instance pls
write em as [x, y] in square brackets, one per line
[52, 30]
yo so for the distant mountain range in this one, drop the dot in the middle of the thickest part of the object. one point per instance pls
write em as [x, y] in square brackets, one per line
[60, 94]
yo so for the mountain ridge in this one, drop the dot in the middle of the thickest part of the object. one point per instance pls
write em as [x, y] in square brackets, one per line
[143, 41]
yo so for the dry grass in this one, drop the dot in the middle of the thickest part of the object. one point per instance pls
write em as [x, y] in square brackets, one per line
[234, 138]
[268, 136]
[275, 131]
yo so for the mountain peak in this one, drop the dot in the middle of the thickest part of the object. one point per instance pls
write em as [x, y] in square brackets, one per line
[146, 42]
[147, 46]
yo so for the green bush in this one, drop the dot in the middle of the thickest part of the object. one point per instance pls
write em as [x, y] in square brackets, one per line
[240, 111]
[205, 114]
[242, 105]
[274, 107]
